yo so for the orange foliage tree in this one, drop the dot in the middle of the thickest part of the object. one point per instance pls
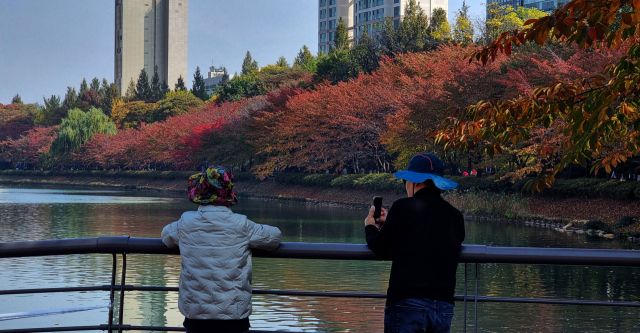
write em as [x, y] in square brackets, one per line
[596, 116]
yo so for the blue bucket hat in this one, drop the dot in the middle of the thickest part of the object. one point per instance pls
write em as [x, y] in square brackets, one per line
[426, 166]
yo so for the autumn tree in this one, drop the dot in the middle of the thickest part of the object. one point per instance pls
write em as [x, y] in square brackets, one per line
[463, 32]
[32, 147]
[15, 119]
[439, 27]
[132, 114]
[596, 116]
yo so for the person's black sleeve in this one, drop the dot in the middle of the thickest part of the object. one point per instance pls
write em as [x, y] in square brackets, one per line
[381, 241]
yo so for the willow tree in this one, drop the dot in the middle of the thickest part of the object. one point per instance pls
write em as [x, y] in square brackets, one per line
[596, 118]
[78, 127]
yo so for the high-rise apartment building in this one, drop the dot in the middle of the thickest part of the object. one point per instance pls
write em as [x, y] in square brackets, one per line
[359, 14]
[543, 5]
[149, 33]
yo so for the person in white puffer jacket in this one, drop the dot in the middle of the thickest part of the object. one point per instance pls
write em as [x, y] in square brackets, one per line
[215, 247]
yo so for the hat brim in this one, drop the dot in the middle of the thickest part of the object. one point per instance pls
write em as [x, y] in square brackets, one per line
[415, 177]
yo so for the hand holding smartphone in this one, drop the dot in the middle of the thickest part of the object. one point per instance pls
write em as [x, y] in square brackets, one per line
[377, 203]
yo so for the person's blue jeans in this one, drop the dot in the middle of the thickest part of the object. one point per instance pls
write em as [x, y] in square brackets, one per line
[418, 315]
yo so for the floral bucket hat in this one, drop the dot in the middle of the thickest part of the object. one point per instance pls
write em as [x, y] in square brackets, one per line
[212, 187]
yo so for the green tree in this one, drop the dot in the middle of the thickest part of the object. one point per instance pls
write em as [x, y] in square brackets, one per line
[306, 60]
[83, 88]
[282, 62]
[143, 88]
[463, 29]
[51, 113]
[341, 39]
[439, 27]
[413, 28]
[111, 95]
[389, 39]
[95, 84]
[78, 127]
[364, 54]
[175, 103]
[16, 99]
[224, 81]
[103, 92]
[156, 85]
[238, 88]
[130, 95]
[197, 89]
[248, 64]
[164, 89]
[337, 66]
[70, 99]
[180, 86]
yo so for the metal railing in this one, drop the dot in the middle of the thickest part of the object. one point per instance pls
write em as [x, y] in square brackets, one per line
[470, 254]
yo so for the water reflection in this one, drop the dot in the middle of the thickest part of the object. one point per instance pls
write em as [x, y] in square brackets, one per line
[55, 214]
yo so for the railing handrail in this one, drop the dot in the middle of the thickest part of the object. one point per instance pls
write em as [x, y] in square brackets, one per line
[468, 254]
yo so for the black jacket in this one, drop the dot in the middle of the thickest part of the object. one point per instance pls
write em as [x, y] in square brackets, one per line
[422, 235]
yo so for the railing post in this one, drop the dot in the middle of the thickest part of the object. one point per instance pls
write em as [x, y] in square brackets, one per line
[475, 306]
[464, 328]
[122, 281]
[112, 291]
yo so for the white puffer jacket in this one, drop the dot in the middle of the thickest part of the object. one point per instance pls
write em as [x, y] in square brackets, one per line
[215, 246]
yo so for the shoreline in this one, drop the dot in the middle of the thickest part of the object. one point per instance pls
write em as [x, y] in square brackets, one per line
[570, 221]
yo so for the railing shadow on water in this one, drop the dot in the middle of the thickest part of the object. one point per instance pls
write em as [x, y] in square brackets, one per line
[470, 254]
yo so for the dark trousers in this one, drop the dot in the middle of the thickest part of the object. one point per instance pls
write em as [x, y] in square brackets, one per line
[418, 315]
[216, 326]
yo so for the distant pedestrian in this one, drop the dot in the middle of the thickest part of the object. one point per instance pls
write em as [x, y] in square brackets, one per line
[215, 248]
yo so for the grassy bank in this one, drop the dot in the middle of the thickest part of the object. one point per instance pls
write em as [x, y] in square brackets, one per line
[563, 188]
[490, 204]
[567, 200]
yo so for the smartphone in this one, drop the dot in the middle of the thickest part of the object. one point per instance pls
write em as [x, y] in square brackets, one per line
[377, 203]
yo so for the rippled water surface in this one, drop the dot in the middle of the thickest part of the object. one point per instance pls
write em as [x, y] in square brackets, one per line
[34, 214]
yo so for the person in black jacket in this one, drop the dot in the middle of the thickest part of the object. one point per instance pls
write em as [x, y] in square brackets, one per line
[422, 234]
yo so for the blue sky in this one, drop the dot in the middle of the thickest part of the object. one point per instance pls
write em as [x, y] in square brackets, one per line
[46, 46]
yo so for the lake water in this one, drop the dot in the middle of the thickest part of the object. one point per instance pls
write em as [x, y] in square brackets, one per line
[36, 214]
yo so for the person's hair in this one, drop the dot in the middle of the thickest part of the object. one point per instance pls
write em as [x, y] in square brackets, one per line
[428, 183]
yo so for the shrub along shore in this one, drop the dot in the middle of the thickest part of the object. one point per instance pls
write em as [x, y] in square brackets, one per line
[614, 205]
